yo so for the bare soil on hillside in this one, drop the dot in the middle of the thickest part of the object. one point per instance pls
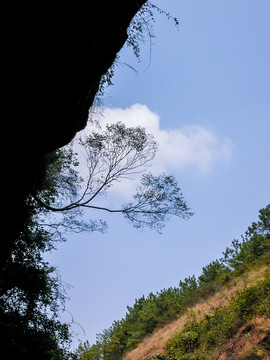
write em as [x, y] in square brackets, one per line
[251, 342]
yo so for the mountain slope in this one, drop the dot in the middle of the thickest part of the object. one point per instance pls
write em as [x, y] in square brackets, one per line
[202, 318]
[156, 343]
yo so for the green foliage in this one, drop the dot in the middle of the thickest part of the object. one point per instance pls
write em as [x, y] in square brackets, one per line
[142, 26]
[198, 338]
[261, 227]
[255, 299]
[106, 79]
[188, 291]
[213, 276]
[156, 199]
[186, 342]
[111, 155]
[155, 310]
[139, 30]
[31, 291]
[159, 357]
[254, 244]
[211, 272]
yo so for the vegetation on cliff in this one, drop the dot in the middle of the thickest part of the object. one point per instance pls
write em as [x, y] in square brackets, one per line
[31, 290]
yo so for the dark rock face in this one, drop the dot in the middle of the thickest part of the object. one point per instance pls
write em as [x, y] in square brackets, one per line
[53, 59]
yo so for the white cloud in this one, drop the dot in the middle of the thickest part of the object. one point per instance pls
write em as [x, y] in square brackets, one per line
[190, 146]
[179, 149]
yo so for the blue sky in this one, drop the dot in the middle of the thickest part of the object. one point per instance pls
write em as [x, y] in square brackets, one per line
[205, 96]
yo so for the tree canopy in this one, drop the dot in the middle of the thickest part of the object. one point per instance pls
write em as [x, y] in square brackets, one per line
[111, 155]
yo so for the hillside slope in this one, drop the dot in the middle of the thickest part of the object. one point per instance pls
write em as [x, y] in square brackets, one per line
[156, 343]
[225, 310]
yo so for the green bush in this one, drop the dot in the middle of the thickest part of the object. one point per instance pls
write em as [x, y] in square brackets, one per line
[158, 357]
[254, 300]
[222, 324]
[184, 343]
[211, 272]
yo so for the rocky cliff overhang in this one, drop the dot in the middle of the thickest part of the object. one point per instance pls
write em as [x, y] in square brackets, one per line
[53, 57]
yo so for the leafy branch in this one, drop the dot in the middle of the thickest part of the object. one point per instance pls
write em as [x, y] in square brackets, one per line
[111, 156]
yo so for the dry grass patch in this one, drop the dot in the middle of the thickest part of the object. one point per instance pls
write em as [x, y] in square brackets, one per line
[251, 342]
